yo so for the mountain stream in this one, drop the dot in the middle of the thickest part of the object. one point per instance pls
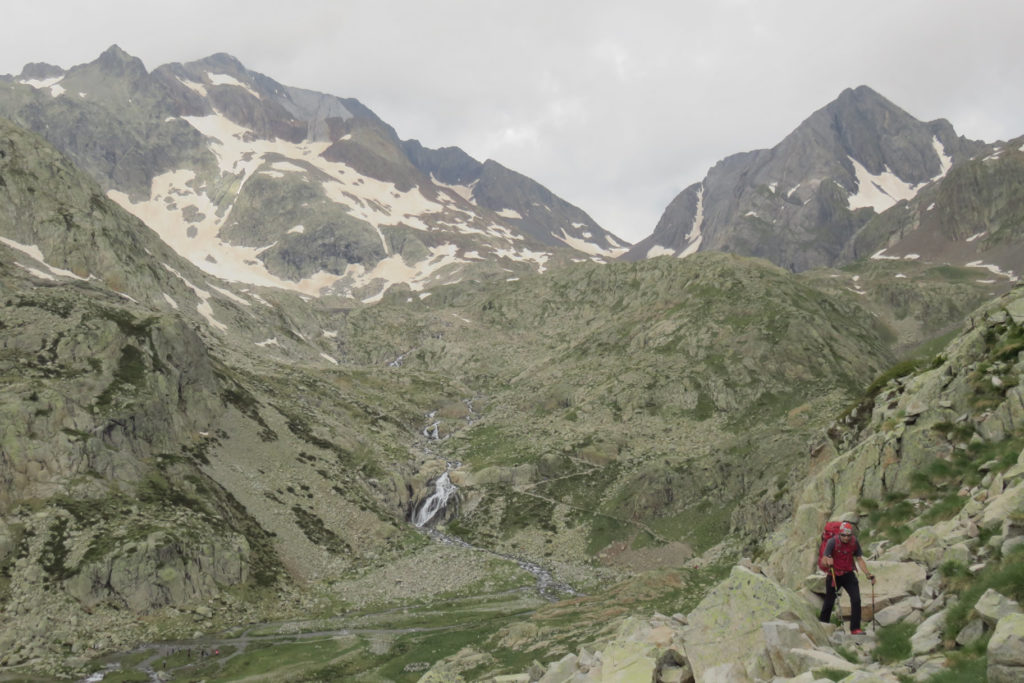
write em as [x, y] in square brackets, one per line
[435, 503]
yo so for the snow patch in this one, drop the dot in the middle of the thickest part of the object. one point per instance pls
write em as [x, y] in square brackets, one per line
[658, 250]
[324, 355]
[900, 276]
[995, 270]
[298, 230]
[231, 295]
[589, 247]
[287, 166]
[170, 301]
[268, 342]
[198, 88]
[880, 191]
[224, 79]
[464, 191]
[510, 213]
[977, 235]
[945, 161]
[394, 269]
[930, 206]
[34, 252]
[880, 255]
[772, 186]
[35, 271]
[695, 236]
[203, 307]
[56, 90]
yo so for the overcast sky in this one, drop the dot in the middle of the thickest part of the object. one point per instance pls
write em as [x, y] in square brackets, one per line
[614, 106]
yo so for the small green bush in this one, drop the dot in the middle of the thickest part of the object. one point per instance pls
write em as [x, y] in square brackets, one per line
[894, 643]
[1006, 577]
[963, 670]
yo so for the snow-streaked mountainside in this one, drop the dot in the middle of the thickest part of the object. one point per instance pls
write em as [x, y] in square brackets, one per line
[262, 184]
[833, 188]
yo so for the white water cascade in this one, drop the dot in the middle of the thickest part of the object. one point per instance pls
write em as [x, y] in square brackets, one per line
[444, 489]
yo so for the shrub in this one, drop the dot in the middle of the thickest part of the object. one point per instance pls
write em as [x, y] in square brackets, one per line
[1006, 577]
[894, 643]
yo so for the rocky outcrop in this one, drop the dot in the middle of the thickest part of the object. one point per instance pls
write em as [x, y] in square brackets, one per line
[1006, 650]
[162, 570]
[730, 625]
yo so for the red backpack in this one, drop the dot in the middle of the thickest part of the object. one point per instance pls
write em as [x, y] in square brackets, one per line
[831, 530]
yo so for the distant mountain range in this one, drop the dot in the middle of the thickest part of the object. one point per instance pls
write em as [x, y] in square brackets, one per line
[259, 183]
[264, 184]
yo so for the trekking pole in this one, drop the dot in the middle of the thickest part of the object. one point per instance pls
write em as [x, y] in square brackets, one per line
[874, 622]
[839, 605]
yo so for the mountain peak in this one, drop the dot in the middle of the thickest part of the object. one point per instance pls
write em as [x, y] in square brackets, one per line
[39, 71]
[116, 61]
[224, 62]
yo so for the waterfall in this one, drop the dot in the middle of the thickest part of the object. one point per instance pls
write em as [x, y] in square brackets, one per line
[428, 509]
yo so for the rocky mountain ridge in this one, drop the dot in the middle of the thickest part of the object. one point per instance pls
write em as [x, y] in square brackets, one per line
[859, 178]
[263, 184]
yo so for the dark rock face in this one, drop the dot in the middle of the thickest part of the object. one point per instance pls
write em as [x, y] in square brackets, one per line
[800, 203]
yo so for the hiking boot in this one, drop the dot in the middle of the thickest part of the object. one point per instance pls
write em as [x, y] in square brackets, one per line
[857, 632]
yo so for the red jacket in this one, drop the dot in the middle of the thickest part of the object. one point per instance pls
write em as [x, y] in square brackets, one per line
[842, 554]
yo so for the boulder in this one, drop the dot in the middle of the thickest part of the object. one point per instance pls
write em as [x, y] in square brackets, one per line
[780, 638]
[1014, 475]
[628, 661]
[672, 667]
[894, 613]
[733, 672]
[562, 670]
[928, 636]
[726, 627]
[993, 606]
[974, 629]
[803, 659]
[1006, 650]
[1002, 506]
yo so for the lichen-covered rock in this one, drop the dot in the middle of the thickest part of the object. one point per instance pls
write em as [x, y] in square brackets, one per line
[928, 636]
[162, 570]
[992, 606]
[1006, 650]
[727, 624]
[1002, 506]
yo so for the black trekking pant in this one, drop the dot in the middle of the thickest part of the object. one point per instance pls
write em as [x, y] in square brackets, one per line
[848, 582]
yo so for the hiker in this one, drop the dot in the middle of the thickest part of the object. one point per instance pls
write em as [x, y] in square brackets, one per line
[838, 558]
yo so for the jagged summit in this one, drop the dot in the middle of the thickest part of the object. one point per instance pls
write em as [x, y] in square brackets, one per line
[260, 183]
[800, 203]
